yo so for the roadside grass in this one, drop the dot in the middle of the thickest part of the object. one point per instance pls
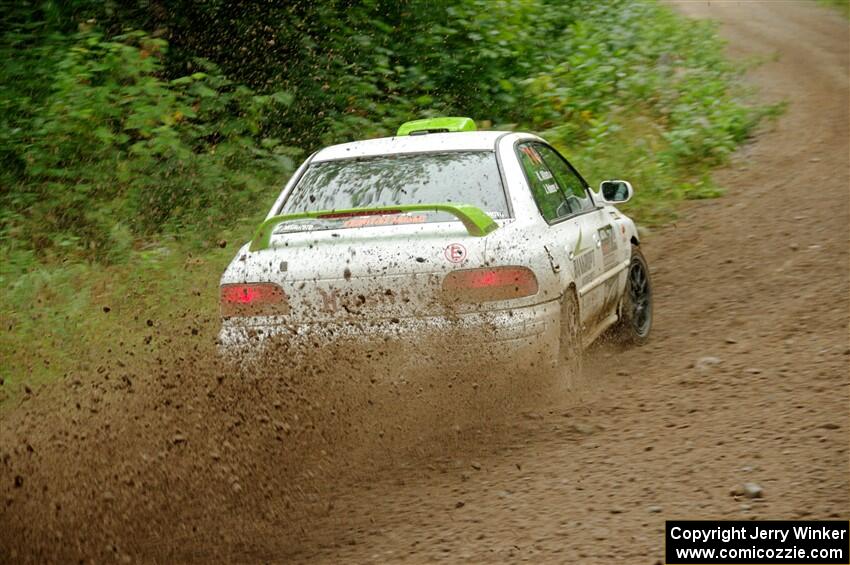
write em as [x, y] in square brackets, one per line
[842, 6]
[59, 321]
[636, 149]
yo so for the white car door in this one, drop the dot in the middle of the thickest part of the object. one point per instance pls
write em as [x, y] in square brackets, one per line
[614, 254]
[566, 206]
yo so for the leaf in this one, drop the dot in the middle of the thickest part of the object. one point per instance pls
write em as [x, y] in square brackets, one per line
[202, 90]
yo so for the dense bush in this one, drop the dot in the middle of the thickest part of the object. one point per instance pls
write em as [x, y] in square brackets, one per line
[109, 137]
[115, 150]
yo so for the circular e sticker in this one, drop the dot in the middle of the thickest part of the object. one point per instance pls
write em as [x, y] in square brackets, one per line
[455, 252]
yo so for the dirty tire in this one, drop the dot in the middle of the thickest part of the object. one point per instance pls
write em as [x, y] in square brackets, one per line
[570, 352]
[636, 321]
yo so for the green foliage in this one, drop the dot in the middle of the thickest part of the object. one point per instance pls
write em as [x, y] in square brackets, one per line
[69, 320]
[117, 137]
[115, 151]
[842, 6]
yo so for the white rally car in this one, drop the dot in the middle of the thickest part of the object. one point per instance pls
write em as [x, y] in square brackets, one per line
[489, 240]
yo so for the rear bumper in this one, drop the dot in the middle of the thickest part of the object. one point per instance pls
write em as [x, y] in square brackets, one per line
[500, 335]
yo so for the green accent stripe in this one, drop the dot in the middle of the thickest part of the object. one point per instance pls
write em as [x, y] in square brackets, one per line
[578, 249]
[475, 220]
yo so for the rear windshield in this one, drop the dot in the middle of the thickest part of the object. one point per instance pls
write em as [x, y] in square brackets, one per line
[462, 177]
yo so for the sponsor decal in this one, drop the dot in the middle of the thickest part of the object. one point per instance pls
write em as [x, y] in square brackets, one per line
[393, 220]
[584, 259]
[550, 188]
[608, 244]
[532, 154]
[455, 253]
[584, 263]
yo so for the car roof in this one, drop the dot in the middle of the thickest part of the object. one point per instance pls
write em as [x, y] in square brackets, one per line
[426, 143]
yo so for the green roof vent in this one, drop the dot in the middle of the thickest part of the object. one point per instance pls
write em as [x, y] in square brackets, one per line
[436, 125]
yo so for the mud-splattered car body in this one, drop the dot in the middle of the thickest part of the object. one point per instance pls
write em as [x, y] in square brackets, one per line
[471, 238]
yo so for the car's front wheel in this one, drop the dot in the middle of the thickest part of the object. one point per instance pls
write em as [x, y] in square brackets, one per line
[636, 310]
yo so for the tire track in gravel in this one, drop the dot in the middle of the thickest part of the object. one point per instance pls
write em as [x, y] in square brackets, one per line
[756, 280]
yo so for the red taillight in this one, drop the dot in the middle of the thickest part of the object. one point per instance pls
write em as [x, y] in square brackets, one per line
[253, 299]
[494, 283]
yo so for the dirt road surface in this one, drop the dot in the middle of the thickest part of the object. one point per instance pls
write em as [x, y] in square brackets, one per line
[757, 281]
[745, 381]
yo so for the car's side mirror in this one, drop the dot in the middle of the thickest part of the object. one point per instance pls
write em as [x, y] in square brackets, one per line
[616, 191]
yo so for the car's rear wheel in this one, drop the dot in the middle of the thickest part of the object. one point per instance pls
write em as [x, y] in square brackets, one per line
[570, 352]
[636, 310]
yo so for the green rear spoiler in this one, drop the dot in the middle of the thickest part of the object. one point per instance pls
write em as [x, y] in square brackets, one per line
[475, 220]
